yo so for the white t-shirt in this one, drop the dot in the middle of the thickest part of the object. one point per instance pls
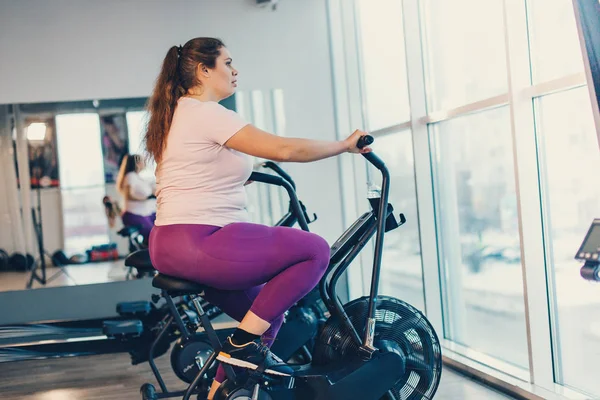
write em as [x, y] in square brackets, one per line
[199, 180]
[139, 189]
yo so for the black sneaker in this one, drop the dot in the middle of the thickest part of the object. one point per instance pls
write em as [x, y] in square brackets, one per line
[253, 355]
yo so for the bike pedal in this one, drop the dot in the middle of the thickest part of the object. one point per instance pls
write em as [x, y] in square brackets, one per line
[267, 380]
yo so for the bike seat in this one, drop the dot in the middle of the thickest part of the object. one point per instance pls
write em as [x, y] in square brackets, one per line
[177, 286]
[140, 260]
[128, 231]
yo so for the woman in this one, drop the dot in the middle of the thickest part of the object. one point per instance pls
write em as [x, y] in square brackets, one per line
[138, 194]
[254, 272]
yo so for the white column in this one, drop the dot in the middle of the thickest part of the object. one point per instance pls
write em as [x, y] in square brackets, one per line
[423, 176]
[533, 262]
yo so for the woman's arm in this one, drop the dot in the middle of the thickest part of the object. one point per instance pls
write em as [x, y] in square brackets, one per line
[258, 143]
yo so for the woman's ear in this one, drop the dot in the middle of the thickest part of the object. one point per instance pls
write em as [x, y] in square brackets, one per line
[201, 70]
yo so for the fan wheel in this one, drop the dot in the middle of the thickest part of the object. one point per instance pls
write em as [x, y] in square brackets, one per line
[399, 328]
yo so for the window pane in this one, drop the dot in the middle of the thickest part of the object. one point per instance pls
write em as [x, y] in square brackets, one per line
[478, 235]
[555, 49]
[242, 105]
[267, 203]
[384, 62]
[279, 112]
[84, 220]
[466, 51]
[401, 274]
[570, 170]
[136, 128]
[258, 110]
[79, 153]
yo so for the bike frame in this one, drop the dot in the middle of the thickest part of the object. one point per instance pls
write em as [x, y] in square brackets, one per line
[346, 248]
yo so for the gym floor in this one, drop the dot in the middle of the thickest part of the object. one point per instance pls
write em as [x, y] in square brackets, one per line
[112, 377]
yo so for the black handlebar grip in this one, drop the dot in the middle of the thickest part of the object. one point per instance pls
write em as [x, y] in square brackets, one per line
[364, 141]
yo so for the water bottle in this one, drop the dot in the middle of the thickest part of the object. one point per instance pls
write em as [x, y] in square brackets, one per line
[373, 191]
[373, 195]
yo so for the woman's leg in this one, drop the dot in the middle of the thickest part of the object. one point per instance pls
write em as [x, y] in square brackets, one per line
[236, 304]
[291, 261]
[240, 256]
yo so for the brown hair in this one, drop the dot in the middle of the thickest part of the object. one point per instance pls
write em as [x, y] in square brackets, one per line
[129, 163]
[178, 74]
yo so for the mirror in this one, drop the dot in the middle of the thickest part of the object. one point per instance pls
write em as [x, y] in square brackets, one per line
[60, 163]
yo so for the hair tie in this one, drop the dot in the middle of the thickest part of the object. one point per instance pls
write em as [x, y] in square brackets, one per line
[179, 50]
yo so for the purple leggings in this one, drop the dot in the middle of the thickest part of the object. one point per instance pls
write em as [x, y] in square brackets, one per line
[145, 223]
[247, 266]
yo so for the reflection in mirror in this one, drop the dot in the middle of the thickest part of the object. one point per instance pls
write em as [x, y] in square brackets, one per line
[82, 178]
[70, 208]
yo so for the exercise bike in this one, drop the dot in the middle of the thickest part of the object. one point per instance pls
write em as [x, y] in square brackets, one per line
[190, 354]
[148, 329]
[372, 348]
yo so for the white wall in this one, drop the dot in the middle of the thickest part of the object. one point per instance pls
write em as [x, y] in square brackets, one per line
[76, 50]
[80, 50]
[51, 219]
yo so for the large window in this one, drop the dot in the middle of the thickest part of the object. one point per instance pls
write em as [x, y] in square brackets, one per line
[266, 110]
[386, 105]
[466, 52]
[505, 159]
[401, 274]
[570, 166]
[478, 234]
[384, 62]
[136, 129]
[555, 50]
[82, 181]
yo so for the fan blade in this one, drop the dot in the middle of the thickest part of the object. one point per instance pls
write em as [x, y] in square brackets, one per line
[419, 367]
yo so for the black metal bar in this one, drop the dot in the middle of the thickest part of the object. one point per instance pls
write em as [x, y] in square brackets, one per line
[342, 247]
[336, 308]
[352, 235]
[213, 338]
[39, 229]
[164, 329]
[37, 222]
[287, 220]
[175, 315]
[337, 273]
[279, 171]
[323, 288]
[357, 248]
[294, 203]
[192, 387]
[381, 219]
[306, 354]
